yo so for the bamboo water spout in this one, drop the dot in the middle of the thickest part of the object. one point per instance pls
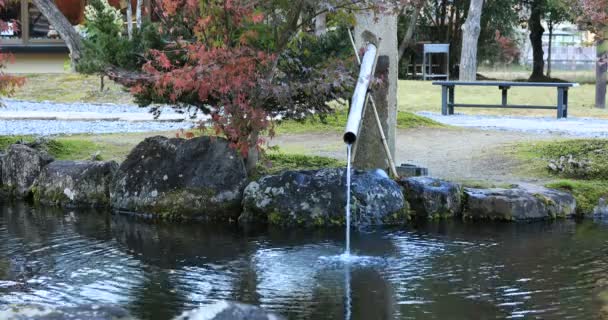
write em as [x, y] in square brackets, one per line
[357, 107]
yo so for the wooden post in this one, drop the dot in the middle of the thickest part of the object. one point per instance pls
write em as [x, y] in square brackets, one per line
[565, 103]
[560, 102]
[444, 100]
[370, 148]
[451, 99]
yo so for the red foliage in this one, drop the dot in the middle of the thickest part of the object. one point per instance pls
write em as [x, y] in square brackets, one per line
[8, 83]
[509, 49]
[219, 69]
[594, 14]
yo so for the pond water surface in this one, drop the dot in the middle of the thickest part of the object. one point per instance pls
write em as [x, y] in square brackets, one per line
[435, 271]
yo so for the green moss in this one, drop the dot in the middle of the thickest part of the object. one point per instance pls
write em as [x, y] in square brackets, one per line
[408, 120]
[62, 148]
[400, 217]
[595, 151]
[336, 123]
[72, 149]
[48, 197]
[479, 184]
[275, 218]
[6, 141]
[179, 205]
[586, 193]
[278, 162]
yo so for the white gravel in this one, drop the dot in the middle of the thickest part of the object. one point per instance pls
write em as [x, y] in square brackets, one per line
[54, 127]
[46, 118]
[575, 127]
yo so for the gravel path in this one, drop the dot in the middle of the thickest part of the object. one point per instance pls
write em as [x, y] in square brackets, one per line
[574, 127]
[54, 127]
[44, 118]
[456, 154]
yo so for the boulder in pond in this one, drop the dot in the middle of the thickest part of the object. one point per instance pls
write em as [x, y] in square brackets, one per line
[601, 210]
[432, 198]
[20, 167]
[318, 198]
[3, 191]
[228, 311]
[518, 204]
[197, 179]
[75, 183]
[92, 312]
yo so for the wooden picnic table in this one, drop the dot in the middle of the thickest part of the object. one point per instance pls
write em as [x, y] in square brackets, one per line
[448, 89]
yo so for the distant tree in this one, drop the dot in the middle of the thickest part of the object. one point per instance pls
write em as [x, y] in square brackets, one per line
[556, 12]
[8, 83]
[106, 45]
[471, 30]
[593, 14]
[535, 26]
[442, 21]
[407, 41]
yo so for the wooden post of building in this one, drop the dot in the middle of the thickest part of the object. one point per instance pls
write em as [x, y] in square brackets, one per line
[382, 30]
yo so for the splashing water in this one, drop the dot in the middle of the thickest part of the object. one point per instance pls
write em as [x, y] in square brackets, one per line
[348, 173]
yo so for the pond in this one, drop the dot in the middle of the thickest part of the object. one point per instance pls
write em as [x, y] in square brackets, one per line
[449, 270]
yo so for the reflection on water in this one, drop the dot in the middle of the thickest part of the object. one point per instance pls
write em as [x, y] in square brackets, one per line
[434, 271]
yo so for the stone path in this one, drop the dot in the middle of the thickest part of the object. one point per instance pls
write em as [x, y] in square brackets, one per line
[576, 127]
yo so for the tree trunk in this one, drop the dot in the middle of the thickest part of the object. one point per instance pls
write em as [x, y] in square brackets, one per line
[63, 26]
[408, 38]
[470, 36]
[138, 11]
[601, 71]
[321, 24]
[253, 154]
[550, 49]
[130, 19]
[536, 39]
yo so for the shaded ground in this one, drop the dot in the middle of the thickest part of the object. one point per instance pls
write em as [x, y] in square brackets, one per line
[455, 154]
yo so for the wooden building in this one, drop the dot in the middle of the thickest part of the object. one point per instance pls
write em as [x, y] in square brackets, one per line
[33, 41]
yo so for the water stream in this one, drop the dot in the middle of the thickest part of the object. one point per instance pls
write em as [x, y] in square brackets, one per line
[348, 183]
[448, 270]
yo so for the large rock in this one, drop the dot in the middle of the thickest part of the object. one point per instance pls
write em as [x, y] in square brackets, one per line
[200, 179]
[228, 311]
[601, 210]
[433, 198]
[89, 312]
[318, 198]
[75, 183]
[20, 167]
[3, 191]
[518, 204]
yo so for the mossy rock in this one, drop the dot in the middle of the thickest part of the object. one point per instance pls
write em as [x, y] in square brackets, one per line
[317, 198]
[176, 179]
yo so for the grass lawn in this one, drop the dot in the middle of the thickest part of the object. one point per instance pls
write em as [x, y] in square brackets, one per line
[415, 96]
[71, 88]
[587, 185]
[336, 123]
